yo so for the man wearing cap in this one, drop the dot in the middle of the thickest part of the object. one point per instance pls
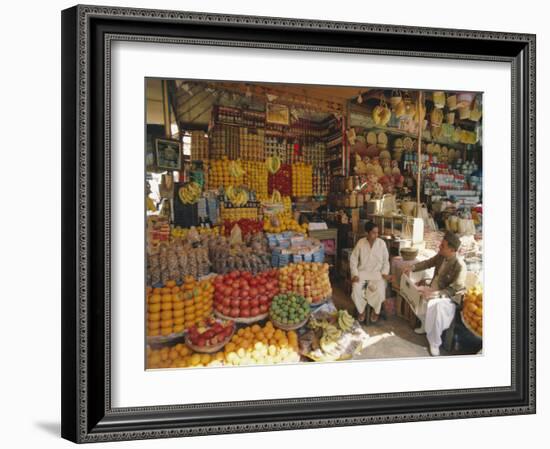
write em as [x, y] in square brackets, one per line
[446, 290]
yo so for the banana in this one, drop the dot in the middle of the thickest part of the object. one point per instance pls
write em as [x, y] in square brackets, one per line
[273, 164]
[190, 193]
[345, 320]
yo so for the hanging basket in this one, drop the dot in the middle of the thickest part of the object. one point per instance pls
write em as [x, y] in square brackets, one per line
[439, 99]
[395, 98]
[451, 102]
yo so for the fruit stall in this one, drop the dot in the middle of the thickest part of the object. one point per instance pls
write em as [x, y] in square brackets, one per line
[256, 194]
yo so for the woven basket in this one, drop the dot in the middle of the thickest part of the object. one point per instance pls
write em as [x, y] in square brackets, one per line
[209, 349]
[242, 320]
[289, 327]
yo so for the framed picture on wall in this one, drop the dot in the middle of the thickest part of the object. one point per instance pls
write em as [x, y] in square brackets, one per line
[168, 153]
[160, 328]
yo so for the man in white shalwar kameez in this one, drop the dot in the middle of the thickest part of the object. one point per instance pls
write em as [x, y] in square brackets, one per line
[369, 267]
[445, 293]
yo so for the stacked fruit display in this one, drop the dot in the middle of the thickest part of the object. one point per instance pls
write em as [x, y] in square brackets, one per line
[251, 144]
[171, 309]
[302, 179]
[288, 309]
[224, 173]
[243, 295]
[238, 213]
[237, 196]
[282, 222]
[309, 279]
[281, 180]
[246, 225]
[256, 345]
[199, 146]
[210, 335]
[181, 356]
[473, 309]
[256, 177]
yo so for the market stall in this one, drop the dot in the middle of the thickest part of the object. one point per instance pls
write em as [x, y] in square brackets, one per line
[256, 194]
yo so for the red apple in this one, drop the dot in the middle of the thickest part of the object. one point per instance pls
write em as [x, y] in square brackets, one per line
[235, 303]
[255, 311]
[262, 299]
[263, 308]
[245, 304]
[226, 302]
[234, 312]
[235, 293]
[245, 313]
[226, 311]
[254, 302]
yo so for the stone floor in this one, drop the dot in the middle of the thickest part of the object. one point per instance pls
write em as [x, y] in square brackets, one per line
[393, 337]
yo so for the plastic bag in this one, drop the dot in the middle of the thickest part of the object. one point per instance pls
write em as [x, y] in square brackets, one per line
[236, 235]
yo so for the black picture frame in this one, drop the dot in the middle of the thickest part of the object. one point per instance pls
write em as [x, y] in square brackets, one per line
[161, 159]
[87, 34]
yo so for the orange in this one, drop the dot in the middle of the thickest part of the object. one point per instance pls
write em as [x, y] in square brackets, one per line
[230, 347]
[164, 331]
[175, 290]
[219, 356]
[166, 314]
[174, 354]
[167, 323]
[181, 364]
[189, 303]
[179, 321]
[240, 332]
[206, 359]
[152, 325]
[178, 305]
[154, 308]
[170, 284]
[195, 359]
[148, 290]
[154, 299]
[165, 306]
[178, 313]
[184, 351]
[178, 328]
[166, 291]
[153, 316]
[157, 291]
[167, 298]
[153, 332]
[256, 328]
[154, 359]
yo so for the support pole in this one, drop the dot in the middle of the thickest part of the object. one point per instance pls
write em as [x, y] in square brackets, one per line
[166, 110]
[419, 150]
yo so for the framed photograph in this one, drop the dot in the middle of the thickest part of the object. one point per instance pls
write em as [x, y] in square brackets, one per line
[168, 154]
[410, 150]
[277, 114]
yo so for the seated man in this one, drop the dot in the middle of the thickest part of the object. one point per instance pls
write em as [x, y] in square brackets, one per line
[446, 289]
[369, 267]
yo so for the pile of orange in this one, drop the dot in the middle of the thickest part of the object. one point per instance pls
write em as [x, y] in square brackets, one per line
[172, 309]
[256, 345]
[473, 309]
[180, 356]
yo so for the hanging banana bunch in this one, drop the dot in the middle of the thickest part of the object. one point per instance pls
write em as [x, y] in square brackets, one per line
[190, 193]
[273, 164]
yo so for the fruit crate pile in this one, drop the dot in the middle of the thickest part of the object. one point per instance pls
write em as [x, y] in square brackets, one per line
[302, 180]
[251, 144]
[224, 141]
[275, 146]
[314, 154]
[199, 146]
[255, 177]
[281, 181]
[171, 309]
